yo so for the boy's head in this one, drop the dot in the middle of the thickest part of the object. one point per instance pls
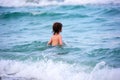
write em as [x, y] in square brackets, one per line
[57, 27]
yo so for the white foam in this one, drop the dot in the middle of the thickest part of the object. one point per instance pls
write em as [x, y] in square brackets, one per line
[40, 70]
[92, 1]
[103, 72]
[21, 3]
[50, 70]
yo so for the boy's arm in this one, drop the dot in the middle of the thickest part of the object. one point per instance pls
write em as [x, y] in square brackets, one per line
[60, 40]
[50, 42]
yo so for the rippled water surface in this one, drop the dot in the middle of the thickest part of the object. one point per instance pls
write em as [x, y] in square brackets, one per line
[91, 36]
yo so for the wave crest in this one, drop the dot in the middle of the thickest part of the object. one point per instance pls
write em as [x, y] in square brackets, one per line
[21, 3]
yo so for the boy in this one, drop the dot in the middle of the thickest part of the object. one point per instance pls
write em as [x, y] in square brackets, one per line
[56, 38]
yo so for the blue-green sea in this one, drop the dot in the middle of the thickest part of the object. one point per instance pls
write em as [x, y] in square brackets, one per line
[91, 36]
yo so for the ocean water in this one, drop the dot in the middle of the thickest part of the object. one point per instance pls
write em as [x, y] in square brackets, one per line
[91, 36]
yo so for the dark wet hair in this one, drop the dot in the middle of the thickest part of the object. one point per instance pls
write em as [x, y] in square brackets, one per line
[57, 27]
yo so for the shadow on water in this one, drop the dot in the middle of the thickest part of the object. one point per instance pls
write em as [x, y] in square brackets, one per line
[27, 47]
[110, 56]
[35, 50]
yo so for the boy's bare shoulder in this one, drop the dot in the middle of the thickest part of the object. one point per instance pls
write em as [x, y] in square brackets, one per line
[59, 35]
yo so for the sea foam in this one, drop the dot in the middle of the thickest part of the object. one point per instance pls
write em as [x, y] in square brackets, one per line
[50, 70]
[21, 3]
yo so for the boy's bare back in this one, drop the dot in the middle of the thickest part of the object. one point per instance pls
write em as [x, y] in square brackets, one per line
[55, 40]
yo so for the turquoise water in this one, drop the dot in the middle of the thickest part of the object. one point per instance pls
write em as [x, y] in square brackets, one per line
[91, 36]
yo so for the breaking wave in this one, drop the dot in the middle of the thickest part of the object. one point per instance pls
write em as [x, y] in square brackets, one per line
[50, 70]
[21, 3]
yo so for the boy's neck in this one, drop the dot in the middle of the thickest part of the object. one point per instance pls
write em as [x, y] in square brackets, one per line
[56, 33]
